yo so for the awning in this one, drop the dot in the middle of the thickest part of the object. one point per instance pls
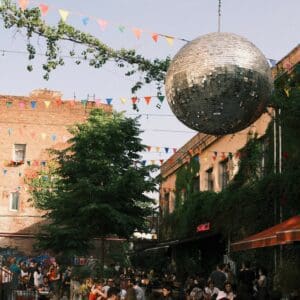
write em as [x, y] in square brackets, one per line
[280, 234]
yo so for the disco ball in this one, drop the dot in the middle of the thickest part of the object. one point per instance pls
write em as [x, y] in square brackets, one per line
[218, 83]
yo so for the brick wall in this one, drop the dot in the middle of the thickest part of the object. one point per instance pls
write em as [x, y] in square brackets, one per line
[39, 121]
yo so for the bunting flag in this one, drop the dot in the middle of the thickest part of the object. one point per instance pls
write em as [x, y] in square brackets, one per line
[109, 100]
[65, 139]
[174, 150]
[32, 134]
[53, 137]
[23, 4]
[43, 163]
[214, 157]
[44, 9]
[72, 103]
[170, 40]
[191, 152]
[98, 102]
[28, 162]
[137, 32]
[4, 171]
[9, 131]
[161, 161]
[84, 102]
[157, 149]
[85, 21]
[134, 100]
[63, 14]
[149, 148]
[121, 28]
[22, 105]
[123, 100]
[272, 62]
[143, 162]
[33, 104]
[43, 135]
[8, 104]
[47, 103]
[147, 99]
[102, 24]
[166, 149]
[230, 155]
[154, 37]
[223, 156]
[161, 98]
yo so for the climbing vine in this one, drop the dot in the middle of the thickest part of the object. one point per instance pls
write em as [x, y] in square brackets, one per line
[95, 52]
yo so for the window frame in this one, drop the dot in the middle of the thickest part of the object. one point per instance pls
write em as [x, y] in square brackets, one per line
[11, 199]
[15, 150]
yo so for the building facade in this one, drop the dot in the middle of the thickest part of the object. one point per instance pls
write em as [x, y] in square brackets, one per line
[28, 127]
[218, 156]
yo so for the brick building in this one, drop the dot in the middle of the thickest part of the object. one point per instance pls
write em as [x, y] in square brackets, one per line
[218, 155]
[28, 127]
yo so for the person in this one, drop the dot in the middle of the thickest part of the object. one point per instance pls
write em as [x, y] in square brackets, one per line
[54, 277]
[246, 279]
[140, 294]
[262, 292]
[222, 296]
[218, 276]
[131, 293]
[37, 277]
[45, 289]
[211, 290]
[166, 293]
[97, 292]
[66, 281]
[196, 293]
[108, 285]
[229, 291]
[113, 293]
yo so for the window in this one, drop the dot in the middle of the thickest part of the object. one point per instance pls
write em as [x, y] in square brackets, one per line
[209, 179]
[224, 174]
[19, 152]
[14, 201]
[264, 157]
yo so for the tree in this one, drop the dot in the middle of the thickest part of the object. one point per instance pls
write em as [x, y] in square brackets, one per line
[93, 50]
[97, 186]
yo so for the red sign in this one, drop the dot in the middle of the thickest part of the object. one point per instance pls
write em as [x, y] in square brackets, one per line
[203, 227]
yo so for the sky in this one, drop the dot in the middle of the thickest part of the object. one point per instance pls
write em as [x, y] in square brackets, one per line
[272, 25]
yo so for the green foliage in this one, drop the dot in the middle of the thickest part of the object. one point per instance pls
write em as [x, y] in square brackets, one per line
[93, 50]
[99, 185]
[247, 205]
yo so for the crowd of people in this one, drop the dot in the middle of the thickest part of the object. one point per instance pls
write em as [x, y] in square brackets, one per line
[50, 281]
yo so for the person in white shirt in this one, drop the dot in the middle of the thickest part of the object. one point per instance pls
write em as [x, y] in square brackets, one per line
[38, 277]
[211, 290]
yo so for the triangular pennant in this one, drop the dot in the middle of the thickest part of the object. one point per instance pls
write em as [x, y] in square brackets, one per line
[166, 149]
[272, 62]
[152, 162]
[123, 100]
[23, 4]
[230, 155]
[9, 131]
[223, 156]
[102, 24]
[174, 150]
[137, 32]
[149, 148]
[35, 163]
[84, 102]
[161, 161]
[98, 102]
[47, 103]
[4, 171]
[20, 174]
[121, 28]
[22, 105]
[8, 104]
[43, 135]
[33, 104]
[65, 139]
[170, 40]
[28, 162]
[63, 14]
[85, 21]
[147, 99]
[157, 149]
[161, 98]
[44, 9]
[109, 100]
[134, 100]
[143, 162]
[53, 137]
[154, 37]
[191, 152]
[43, 163]
[215, 153]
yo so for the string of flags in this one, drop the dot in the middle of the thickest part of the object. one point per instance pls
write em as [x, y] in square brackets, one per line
[102, 23]
[33, 104]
